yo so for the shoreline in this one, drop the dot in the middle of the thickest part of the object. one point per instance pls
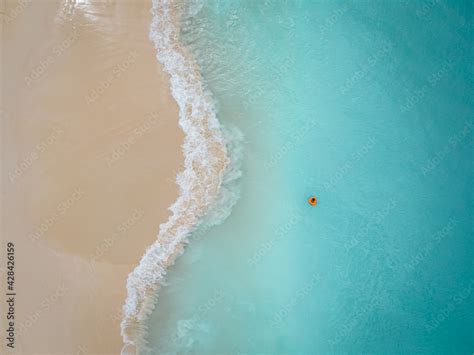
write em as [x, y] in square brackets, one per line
[200, 183]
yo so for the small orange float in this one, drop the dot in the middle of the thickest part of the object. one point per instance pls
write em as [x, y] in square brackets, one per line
[313, 201]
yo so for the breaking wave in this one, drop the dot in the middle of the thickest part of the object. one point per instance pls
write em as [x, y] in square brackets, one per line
[207, 185]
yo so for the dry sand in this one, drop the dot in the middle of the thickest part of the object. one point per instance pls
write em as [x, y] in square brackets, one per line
[90, 150]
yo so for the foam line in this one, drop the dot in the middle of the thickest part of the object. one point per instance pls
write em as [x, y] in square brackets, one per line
[205, 161]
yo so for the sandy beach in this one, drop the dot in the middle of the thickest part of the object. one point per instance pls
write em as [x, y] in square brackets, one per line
[90, 151]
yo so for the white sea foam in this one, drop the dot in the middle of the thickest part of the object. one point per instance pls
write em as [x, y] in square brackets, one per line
[229, 192]
[207, 184]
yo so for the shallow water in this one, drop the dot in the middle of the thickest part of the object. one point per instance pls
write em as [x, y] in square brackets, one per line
[367, 105]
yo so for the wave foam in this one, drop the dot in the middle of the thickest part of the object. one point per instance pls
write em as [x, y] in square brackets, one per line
[207, 168]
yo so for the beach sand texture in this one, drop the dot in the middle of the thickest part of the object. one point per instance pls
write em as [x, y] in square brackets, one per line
[90, 151]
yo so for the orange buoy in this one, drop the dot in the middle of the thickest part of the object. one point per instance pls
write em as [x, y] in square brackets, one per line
[313, 201]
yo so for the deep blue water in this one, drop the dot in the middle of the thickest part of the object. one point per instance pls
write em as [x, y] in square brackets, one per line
[368, 106]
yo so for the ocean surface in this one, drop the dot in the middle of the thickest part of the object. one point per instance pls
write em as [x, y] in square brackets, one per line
[369, 106]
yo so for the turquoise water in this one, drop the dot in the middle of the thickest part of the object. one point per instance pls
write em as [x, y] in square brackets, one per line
[368, 106]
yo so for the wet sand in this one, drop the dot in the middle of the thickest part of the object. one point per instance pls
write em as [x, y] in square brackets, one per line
[90, 150]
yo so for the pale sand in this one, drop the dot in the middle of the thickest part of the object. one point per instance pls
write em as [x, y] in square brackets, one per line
[66, 303]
